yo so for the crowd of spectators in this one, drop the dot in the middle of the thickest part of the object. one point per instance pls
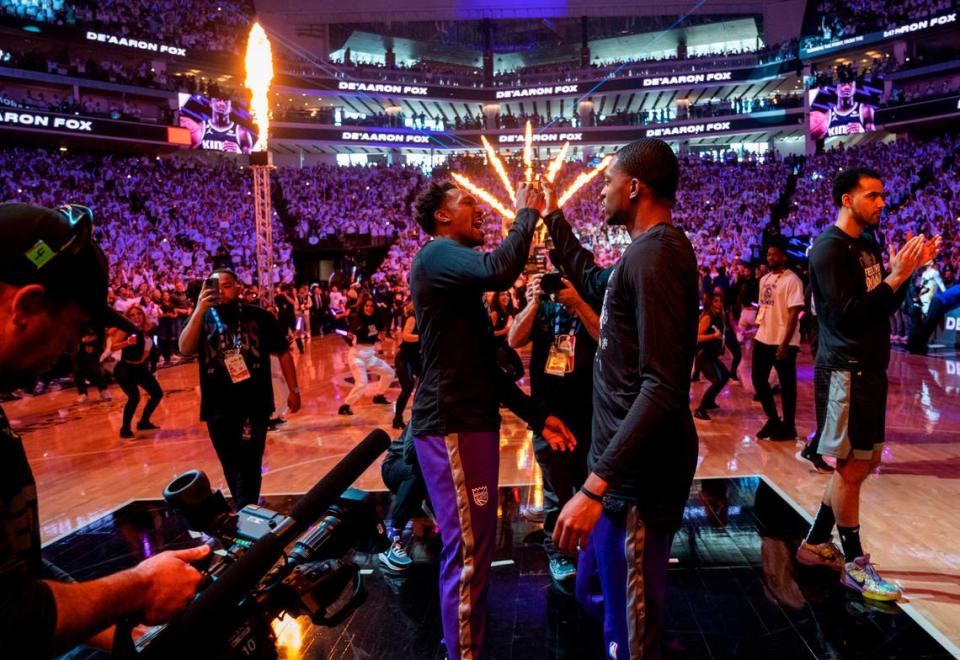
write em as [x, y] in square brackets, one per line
[837, 19]
[324, 202]
[209, 27]
[159, 219]
[160, 224]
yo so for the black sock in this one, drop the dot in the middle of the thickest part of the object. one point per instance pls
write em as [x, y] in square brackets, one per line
[850, 540]
[822, 525]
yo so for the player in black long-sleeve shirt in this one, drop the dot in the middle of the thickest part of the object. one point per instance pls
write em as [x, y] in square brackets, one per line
[456, 418]
[644, 449]
[854, 298]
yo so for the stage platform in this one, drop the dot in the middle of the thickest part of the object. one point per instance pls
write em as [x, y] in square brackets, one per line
[734, 589]
[909, 511]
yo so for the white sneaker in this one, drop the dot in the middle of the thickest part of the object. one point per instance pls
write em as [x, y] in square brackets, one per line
[82, 398]
[105, 395]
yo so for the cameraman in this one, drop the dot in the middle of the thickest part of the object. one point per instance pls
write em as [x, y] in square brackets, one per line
[235, 341]
[53, 283]
[564, 334]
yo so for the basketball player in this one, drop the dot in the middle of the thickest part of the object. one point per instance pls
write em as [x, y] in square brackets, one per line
[644, 450]
[456, 419]
[855, 298]
[221, 132]
[847, 117]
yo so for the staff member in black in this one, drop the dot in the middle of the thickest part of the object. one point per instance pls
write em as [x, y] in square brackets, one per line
[235, 341]
[710, 341]
[564, 332]
[407, 363]
[644, 450]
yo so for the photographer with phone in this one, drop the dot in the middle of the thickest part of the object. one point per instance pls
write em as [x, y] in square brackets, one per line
[563, 329]
[53, 284]
[234, 342]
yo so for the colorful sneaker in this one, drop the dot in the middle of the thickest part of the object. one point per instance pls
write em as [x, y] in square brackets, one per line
[562, 568]
[821, 554]
[860, 575]
[396, 558]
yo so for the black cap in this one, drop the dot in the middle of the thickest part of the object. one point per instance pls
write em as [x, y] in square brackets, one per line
[55, 248]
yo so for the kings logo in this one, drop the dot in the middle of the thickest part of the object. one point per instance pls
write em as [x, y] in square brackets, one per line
[480, 496]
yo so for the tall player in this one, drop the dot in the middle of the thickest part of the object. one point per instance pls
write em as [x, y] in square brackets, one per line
[220, 132]
[644, 450]
[855, 298]
[847, 116]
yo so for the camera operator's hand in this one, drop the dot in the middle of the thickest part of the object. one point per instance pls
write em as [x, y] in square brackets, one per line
[533, 289]
[169, 582]
[530, 198]
[557, 435]
[550, 197]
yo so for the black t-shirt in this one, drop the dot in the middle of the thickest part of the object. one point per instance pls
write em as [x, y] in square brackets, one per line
[569, 397]
[462, 386]
[853, 302]
[258, 335]
[28, 612]
[367, 329]
[644, 441]
[285, 310]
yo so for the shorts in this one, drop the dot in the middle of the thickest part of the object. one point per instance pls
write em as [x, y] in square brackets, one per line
[851, 411]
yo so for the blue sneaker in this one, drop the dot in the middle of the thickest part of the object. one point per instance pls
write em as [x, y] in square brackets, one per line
[396, 558]
[562, 568]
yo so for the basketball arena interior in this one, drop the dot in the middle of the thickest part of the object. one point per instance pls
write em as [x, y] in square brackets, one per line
[484, 329]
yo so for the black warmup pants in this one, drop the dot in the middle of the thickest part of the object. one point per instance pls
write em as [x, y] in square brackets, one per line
[730, 341]
[563, 473]
[408, 370]
[406, 483]
[86, 367]
[765, 359]
[240, 457]
[716, 372]
[131, 377]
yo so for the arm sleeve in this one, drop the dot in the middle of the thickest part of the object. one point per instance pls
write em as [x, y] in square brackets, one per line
[577, 263]
[653, 280]
[523, 406]
[28, 619]
[454, 266]
[838, 285]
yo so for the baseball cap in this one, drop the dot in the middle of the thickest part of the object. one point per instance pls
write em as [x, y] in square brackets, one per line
[55, 248]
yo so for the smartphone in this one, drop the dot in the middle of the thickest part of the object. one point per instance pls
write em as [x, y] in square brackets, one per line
[213, 283]
[551, 283]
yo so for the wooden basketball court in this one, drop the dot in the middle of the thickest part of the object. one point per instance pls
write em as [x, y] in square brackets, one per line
[910, 518]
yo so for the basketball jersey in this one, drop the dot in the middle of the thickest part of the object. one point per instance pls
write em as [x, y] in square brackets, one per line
[215, 138]
[846, 123]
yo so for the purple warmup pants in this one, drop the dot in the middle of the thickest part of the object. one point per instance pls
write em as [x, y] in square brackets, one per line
[461, 472]
[622, 579]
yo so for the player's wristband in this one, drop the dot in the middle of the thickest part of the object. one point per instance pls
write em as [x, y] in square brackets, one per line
[591, 495]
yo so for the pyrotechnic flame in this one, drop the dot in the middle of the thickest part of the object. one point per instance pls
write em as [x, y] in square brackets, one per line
[485, 196]
[557, 162]
[583, 179]
[259, 63]
[498, 166]
[528, 153]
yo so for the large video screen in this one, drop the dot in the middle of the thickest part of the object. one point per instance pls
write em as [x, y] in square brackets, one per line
[217, 124]
[845, 108]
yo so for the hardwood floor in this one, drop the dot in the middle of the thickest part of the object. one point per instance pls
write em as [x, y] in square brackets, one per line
[909, 513]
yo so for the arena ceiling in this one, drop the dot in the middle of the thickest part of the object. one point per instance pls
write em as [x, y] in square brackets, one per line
[358, 11]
